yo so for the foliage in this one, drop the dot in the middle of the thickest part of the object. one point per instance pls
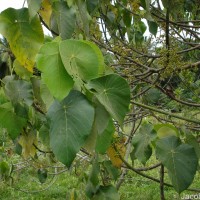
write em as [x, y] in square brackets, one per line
[66, 97]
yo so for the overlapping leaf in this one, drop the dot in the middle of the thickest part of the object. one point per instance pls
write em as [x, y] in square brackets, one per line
[180, 160]
[58, 81]
[19, 91]
[141, 142]
[80, 59]
[113, 92]
[65, 18]
[71, 123]
[13, 123]
[25, 36]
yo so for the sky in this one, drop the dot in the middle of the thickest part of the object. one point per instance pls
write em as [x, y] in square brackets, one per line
[10, 3]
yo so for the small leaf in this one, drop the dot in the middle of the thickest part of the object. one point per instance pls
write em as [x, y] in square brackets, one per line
[42, 175]
[141, 142]
[180, 160]
[92, 5]
[113, 171]
[58, 81]
[113, 92]
[70, 124]
[33, 7]
[107, 193]
[27, 142]
[116, 150]
[153, 27]
[127, 18]
[164, 130]
[93, 179]
[4, 168]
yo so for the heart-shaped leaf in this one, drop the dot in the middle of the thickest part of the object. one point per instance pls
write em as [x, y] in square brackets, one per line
[71, 123]
[141, 142]
[80, 59]
[13, 123]
[113, 92]
[19, 91]
[180, 160]
[58, 81]
[25, 36]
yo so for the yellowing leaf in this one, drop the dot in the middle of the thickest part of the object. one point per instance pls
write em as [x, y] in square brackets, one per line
[27, 142]
[25, 37]
[46, 11]
[116, 150]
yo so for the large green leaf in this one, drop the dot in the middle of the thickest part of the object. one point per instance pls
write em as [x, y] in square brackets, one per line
[53, 72]
[65, 18]
[180, 160]
[71, 123]
[13, 123]
[19, 91]
[141, 142]
[80, 59]
[113, 92]
[24, 36]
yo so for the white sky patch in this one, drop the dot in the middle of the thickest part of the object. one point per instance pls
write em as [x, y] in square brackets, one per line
[4, 4]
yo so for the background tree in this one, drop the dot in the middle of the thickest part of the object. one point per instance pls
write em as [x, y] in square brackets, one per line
[70, 94]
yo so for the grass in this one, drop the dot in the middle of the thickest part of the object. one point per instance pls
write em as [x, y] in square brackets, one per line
[133, 187]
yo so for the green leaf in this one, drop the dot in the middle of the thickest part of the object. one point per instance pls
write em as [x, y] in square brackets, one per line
[153, 27]
[58, 81]
[92, 5]
[19, 91]
[42, 175]
[113, 92]
[193, 141]
[71, 123]
[21, 71]
[65, 18]
[164, 130]
[127, 18]
[107, 193]
[99, 54]
[80, 59]
[104, 139]
[33, 7]
[180, 160]
[142, 27]
[141, 142]
[13, 123]
[46, 95]
[24, 36]
[93, 179]
[113, 171]
[4, 168]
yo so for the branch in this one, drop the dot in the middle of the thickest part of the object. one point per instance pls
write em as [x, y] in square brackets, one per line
[166, 113]
[162, 173]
